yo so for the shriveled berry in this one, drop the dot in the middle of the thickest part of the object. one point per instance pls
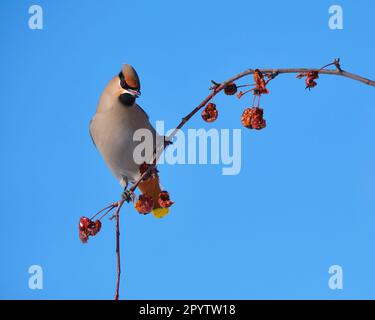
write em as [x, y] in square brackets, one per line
[230, 89]
[210, 113]
[252, 118]
[164, 200]
[87, 228]
[310, 77]
[144, 204]
[260, 83]
[152, 172]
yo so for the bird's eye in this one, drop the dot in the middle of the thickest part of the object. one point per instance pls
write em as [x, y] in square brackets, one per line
[123, 84]
[127, 99]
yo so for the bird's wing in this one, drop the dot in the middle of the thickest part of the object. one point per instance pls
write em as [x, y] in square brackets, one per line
[143, 111]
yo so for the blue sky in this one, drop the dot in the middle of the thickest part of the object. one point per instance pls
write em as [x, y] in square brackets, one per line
[303, 201]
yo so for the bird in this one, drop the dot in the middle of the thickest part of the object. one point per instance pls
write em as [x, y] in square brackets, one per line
[112, 127]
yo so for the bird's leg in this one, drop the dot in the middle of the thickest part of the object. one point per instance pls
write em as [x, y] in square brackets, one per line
[126, 194]
[126, 180]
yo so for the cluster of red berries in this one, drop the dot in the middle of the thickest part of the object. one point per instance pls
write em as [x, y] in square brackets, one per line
[145, 203]
[252, 118]
[87, 228]
[153, 196]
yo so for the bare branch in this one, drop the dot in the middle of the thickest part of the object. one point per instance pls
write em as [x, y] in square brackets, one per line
[273, 72]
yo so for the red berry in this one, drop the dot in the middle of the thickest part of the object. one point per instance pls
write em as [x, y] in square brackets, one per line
[252, 118]
[230, 89]
[87, 228]
[153, 172]
[310, 77]
[144, 204]
[210, 113]
[260, 83]
[164, 200]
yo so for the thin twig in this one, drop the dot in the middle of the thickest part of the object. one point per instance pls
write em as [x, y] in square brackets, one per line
[327, 65]
[108, 211]
[110, 207]
[117, 214]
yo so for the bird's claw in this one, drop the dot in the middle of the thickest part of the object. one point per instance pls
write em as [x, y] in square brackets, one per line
[128, 196]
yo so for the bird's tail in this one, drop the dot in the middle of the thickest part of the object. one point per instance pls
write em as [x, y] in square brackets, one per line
[152, 188]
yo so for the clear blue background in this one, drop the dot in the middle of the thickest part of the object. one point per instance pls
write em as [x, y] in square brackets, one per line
[304, 199]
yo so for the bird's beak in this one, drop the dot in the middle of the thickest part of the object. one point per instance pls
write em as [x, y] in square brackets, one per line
[132, 92]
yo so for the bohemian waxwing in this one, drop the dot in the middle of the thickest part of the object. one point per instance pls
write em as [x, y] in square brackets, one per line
[116, 119]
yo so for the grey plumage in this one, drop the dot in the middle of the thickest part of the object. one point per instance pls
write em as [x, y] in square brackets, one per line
[112, 129]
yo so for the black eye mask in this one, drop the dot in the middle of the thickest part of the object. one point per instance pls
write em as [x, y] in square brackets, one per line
[124, 84]
[126, 98]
